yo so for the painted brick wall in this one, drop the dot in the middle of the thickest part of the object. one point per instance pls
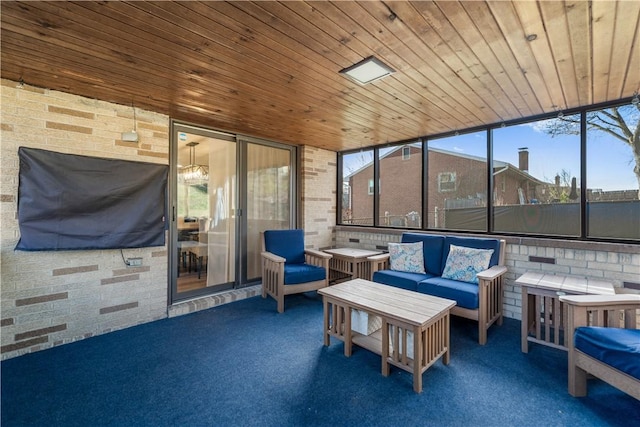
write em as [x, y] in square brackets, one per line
[51, 298]
[318, 189]
[617, 263]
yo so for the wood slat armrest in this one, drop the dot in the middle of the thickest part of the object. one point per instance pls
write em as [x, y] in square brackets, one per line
[492, 273]
[600, 300]
[377, 263]
[318, 254]
[272, 257]
[380, 257]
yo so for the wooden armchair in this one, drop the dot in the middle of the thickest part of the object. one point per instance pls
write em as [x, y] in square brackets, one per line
[288, 268]
[588, 312]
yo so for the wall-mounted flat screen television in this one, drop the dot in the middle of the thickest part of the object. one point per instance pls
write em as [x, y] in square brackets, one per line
[72, 202]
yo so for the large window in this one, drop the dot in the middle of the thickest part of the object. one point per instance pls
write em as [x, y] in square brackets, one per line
[536, 170]
[458, 182]
[548, 177]
[357, 188]
[401, 175]
[613, 205]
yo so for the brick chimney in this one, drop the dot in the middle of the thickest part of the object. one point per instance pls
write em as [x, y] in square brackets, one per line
[523, 158]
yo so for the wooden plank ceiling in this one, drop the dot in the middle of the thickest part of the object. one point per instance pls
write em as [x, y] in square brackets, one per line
[271, 69]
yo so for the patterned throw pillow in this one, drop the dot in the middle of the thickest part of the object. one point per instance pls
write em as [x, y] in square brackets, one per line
[406, 257]
[463, 264]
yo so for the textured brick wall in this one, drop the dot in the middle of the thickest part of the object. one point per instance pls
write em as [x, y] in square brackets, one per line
[51, 298]
[318, 190]
[617, 263]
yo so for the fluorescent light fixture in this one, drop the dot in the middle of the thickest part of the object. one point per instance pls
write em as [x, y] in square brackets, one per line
[368, 70]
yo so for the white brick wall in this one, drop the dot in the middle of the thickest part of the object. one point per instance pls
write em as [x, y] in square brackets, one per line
[51, 298]
[617, 263]
[318, 189]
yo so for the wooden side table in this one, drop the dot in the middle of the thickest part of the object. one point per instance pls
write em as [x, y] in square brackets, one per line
[349, 263]
[543, 314]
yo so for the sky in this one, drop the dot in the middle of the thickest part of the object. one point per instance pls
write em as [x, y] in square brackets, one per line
[609, 160]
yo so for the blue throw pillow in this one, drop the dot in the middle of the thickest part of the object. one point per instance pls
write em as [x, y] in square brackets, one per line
[463, 264]
[406, 257]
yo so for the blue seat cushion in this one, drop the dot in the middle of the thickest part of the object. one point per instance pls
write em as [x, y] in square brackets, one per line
[619, 348]
[302, 273]
[465, 294]
[400, 279]
[432, 245]
[289, 244]
[471, 242]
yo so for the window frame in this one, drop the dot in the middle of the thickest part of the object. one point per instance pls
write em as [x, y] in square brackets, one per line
[582, 111]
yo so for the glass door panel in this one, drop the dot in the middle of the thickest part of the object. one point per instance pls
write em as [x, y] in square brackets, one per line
[205, 206]
[268, 204]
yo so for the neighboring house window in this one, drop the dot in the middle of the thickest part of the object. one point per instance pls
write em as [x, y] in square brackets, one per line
[370, 187]
[446, 181]
[346, 196]
[406, 153]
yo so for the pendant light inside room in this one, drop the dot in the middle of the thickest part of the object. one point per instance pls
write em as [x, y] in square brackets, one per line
[193, 173]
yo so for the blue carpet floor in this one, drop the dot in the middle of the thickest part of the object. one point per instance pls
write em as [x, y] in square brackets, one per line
[243, 364]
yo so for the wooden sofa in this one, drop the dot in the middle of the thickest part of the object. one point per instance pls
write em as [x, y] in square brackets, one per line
[488, 308]
[588, 312]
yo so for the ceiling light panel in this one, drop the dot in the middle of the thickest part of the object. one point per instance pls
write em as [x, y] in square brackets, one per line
[368, 70]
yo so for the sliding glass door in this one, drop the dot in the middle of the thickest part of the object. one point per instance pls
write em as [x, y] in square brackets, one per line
[268, 197]
[226, 190]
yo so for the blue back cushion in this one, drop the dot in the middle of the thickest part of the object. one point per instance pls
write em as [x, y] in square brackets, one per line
[616, 347]
[431, 250]
[471, 242]
[289, 244]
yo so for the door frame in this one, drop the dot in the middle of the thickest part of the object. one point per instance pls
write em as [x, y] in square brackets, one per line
[241, 225]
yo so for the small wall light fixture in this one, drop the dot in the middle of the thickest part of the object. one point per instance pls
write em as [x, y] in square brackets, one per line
[20, 84]
[133, 135]
[368, 70]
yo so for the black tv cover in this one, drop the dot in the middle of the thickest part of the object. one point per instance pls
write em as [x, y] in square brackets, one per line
[70, 202]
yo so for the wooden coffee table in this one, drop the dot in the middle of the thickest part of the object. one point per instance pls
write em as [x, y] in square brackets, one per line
[406, 315]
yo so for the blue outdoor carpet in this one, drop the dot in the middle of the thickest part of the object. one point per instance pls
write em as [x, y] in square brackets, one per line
[243, 364]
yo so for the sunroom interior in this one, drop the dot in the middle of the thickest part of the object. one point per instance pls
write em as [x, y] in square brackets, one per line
[516, 119]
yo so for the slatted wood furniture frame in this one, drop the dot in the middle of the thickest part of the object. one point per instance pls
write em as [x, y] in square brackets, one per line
[490, 293]
[273, 275]
[349, 263]
[406, 315]
[599, 310]
[543, 313]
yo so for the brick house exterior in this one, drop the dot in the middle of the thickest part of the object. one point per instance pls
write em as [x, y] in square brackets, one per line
[454, 181]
